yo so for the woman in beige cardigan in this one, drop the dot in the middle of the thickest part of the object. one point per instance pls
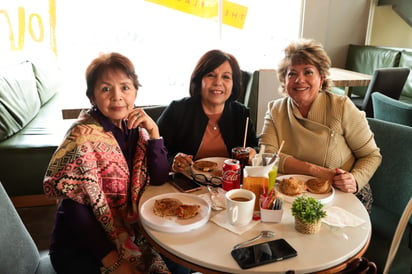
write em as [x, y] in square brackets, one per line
[325, 135]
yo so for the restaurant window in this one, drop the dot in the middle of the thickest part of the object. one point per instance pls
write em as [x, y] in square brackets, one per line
[164, 38]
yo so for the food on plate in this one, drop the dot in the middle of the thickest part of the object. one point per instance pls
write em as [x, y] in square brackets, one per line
[292, 186]
[188, 211]
[175, 207]
[318, 185]
[205, 166]
[217, 173]
[166, 207]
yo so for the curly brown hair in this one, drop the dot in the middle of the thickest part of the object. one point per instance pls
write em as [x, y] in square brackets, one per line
[305, 51]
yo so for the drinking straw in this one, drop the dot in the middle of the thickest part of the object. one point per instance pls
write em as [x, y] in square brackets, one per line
[281, 145]
[244, 139]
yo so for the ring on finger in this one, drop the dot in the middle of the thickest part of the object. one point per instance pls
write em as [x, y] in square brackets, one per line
[138, 114]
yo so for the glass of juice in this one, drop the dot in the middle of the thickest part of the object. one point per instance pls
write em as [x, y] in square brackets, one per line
[273, 173]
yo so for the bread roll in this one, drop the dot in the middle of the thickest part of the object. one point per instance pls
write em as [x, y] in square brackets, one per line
[292, 186]
[318, 185]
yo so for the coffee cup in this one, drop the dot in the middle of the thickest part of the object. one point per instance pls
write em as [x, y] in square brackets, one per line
[240, 205]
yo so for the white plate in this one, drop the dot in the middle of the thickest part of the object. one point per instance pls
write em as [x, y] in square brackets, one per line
[218, 173]
[323, 198]
[174, 224]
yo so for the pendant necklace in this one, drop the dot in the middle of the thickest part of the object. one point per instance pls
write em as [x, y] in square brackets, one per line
[214, 127]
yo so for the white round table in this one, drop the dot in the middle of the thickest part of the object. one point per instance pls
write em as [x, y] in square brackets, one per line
[207, 249]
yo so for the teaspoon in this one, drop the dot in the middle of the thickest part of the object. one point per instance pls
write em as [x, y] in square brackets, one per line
[263, 233]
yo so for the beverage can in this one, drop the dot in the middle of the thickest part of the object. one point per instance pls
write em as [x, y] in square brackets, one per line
[231, 174]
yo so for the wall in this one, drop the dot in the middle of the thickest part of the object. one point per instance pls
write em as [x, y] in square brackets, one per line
[336, 24]
[327, 22]
[389, 29]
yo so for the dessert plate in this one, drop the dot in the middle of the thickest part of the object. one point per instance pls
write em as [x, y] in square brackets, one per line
[323, 198]
[173, 224]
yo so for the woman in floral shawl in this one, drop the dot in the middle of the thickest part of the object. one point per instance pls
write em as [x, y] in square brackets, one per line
[99, 171]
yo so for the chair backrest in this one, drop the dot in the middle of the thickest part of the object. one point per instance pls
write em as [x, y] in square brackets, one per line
[19, 253]
[391, 184]
[252, 96]
[400, 229]
[391, 110]
[246, 78]
[388, 81]
[154, 111]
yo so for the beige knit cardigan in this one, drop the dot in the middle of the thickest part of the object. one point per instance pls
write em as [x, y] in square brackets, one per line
[334, 135]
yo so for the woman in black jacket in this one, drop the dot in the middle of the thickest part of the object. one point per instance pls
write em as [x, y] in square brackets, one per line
[210, 122]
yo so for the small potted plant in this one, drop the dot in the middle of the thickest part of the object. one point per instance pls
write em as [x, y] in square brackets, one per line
[308, 213]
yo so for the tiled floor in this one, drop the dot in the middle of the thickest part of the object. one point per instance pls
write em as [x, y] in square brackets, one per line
[39, 222]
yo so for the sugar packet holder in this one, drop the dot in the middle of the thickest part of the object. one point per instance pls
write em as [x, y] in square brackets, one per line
[269, 215]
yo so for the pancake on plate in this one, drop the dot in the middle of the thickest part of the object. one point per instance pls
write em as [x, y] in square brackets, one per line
[318, 185]
[174, 207]
[205, 166]
[166, 207]
[188, 211]
[292, 186]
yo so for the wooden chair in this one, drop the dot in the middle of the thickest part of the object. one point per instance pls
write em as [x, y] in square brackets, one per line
[391, 110]
[400, 229]
[389, 81]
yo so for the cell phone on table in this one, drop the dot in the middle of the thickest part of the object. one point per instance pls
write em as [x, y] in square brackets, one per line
[183, 183]
[263, 253]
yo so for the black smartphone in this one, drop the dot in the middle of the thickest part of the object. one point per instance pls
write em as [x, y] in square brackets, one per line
[263, 253]
[183, 183]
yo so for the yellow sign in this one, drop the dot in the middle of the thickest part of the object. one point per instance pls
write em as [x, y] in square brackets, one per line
[233, 14]
[28, 26]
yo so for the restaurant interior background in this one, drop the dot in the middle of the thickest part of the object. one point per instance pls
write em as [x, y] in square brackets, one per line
[165, 38]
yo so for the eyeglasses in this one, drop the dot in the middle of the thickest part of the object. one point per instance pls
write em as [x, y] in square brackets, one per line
[202, 179]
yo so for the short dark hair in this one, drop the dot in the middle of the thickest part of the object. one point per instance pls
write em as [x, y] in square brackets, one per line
[207, 63]
[105, 62]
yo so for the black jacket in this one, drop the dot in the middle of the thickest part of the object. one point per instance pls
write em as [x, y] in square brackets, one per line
[184, 122]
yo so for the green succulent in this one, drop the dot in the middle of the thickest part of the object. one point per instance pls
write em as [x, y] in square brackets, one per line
[308, 209]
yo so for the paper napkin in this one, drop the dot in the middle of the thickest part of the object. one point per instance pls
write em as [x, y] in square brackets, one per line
[221, 220]
[336, 216]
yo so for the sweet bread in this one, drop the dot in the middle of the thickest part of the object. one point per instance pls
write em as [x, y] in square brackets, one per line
[318, 185]
[292, 186]
[188, 211]
[166, 207]
[174, 207]
[205, 166]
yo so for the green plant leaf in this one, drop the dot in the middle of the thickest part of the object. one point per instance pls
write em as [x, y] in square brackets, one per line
[308, 209]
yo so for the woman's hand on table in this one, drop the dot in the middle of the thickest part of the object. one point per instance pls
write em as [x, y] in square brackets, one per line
[341, 179]
[344, 181]
[181, 162]
[138, 117]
